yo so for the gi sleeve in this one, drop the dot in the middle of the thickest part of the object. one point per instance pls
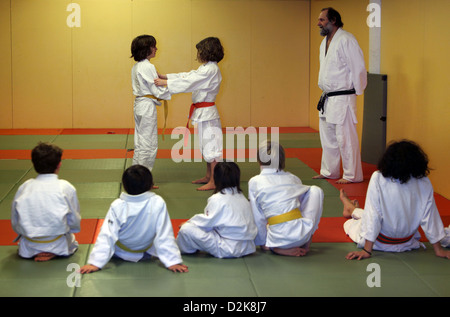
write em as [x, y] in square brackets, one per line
[74, 216]
[146, 76]
[258, 215]
[431, 222]
[105, 244]
[14, 215]
[211, 216]
[354, 59]
[164, 241]
[371, 218]
[191, 81]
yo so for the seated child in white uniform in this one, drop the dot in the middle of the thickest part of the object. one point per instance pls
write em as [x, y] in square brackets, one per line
[45, 210]
[137, 224]
[399, 199]
[204, 83]
[226, 229]
[286, 212]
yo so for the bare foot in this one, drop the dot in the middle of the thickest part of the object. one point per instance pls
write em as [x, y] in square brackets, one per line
[291, 252]
[44, 256]
[343, 181]
[349, 205]
[203, 180]
[208, 186]
[320, 176]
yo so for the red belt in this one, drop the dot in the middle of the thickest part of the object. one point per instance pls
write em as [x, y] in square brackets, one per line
[386, 240]
[198, 105]
[191, 111]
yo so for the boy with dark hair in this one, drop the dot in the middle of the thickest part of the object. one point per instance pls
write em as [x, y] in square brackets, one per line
[136, 224]
[45, 211]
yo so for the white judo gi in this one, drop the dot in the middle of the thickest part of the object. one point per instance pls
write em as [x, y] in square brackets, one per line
[46, 213]
[136, 225]
[204, 83]
[272, 193]
[396, 211]
[225, 230]
[342, 67]
[143, 75]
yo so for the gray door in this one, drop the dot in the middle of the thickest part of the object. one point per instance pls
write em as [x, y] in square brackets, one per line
[373, 141]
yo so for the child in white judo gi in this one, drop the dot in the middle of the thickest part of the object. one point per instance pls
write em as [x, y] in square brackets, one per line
[286, 212]
[399, 199]
[204, 83]
[148, 96]
[136, 225]
[226, 229]
[45, 210]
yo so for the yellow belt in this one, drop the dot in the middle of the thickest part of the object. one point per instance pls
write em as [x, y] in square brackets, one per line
[120, 245]
[166, 111]
[288, 216]
[43, 241]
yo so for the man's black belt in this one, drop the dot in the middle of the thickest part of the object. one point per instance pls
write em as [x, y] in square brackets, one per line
[325, 95]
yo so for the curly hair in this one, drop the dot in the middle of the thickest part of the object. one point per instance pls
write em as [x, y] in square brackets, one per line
[402, 160]
[137, 179]
[227, 175]
[141, 47]
[210, 50]
[46, 157]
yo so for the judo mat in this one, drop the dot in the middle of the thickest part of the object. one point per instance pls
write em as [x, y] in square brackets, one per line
[93, 162]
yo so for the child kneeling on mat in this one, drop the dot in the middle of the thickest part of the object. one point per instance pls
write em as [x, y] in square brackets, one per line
[45, 211]
[286, 212]
[137, 224]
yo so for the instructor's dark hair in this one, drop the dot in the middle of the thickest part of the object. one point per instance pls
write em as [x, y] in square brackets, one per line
[227, 175]
[402, 160]
[137, 179]
[141, 47]
[334, 16]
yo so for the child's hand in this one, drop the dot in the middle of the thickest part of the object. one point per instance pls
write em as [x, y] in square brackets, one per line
[160, 82]
[359, 255]
[179, 268]
[89, 268]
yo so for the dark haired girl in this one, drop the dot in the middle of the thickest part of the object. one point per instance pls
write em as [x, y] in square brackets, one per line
[226, 229]
[399, 200]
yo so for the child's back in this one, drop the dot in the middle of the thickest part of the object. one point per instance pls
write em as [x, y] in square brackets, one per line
[226, 229]
[45, 211]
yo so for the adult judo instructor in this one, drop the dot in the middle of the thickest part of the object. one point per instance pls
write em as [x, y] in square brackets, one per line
[342, 76]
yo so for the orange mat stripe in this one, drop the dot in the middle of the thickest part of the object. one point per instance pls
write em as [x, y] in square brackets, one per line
[330, 230]
[30, 131]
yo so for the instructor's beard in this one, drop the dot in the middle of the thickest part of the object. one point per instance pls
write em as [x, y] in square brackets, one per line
[324, 31]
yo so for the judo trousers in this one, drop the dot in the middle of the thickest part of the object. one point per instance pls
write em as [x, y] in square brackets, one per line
[145, 133]
[340, 141]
